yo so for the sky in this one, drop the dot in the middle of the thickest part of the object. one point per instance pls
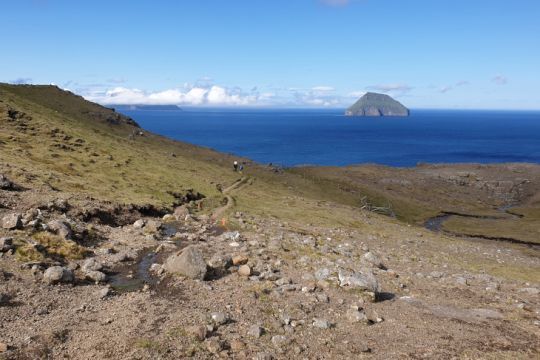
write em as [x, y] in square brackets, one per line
[452, 54]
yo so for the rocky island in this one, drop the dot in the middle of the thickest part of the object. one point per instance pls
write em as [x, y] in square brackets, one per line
[373, 104]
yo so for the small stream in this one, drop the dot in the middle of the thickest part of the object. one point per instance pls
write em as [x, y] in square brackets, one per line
[436, 223]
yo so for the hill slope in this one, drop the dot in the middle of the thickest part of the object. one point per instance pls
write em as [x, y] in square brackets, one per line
[118, 243]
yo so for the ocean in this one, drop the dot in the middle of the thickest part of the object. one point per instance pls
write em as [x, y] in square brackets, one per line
[327, 137]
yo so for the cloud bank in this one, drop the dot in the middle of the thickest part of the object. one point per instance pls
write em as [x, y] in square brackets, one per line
[213, 95]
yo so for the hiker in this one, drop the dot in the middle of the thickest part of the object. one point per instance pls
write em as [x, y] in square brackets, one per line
[241, 168]
[235, 165]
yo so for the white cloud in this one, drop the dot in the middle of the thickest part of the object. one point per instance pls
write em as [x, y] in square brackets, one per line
[215, 95]
[391, 88]
[323, 88]
[500, 79]
[356, 94]
[445, 89]
[462, 83]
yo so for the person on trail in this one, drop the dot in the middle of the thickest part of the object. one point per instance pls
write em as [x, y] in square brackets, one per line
[235, 165]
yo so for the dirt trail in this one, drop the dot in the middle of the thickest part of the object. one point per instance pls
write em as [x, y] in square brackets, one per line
[218, 212]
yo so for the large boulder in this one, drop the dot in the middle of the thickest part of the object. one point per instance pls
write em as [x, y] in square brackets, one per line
[12, 221]
[189, 263]
[57, 274]
[363, 280]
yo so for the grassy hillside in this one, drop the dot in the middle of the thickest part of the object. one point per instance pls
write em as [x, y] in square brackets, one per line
[54, 138]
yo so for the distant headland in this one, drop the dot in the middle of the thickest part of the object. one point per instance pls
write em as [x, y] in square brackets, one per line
[373, 104]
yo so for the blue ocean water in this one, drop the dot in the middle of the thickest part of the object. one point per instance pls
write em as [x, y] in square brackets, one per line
[326, 137]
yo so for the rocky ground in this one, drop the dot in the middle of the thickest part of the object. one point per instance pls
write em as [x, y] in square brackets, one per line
[118, 283]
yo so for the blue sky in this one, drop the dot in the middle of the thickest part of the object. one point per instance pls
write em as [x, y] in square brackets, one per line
[315, 53]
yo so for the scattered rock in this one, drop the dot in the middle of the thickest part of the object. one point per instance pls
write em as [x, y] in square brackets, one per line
[322, 297]
[462, 281]
[181, 212]
[364, 280]
[321, 324]
[103, 293]
[240, 260]
[279, 340]
[3, 347]
[139, 224]
[322, 274]
[5, 183]
[220, 262]
[255, 331]
[198, 332]
[61, 228]
[244, 270]
[373, 259]
[354, 315]
[530, 291]
[91, 265]
[96, 276]
[152, 226]
[12, 221]
[214, 345]
[168, 217]
[57, 274]
[237, 345]
[189, 263]
[219, 318]
[6, 243]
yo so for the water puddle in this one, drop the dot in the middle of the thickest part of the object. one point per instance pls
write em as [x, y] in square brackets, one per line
[134, 277]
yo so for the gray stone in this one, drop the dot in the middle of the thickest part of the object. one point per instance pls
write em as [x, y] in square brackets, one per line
[530, 291]
[152, 226]
[189, 263]
[12, 222]
[139, 224]
[96, 276]
[321, 324]
[61, 228]
[322, 274]
[198, 332]
[283, 281]
[355, 316]
[220, 262]
[5, 183]
[364, 280]
[255, 331]
[462, 281]
[6, 243]
[322, 297]
[57, 274]
[103, 293]
[214, 345]
[280, 340]
[91, 265]
[373, 259]
[244, 270]
[219, 318]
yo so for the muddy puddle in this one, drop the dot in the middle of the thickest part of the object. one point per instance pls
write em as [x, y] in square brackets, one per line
[134, 276]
